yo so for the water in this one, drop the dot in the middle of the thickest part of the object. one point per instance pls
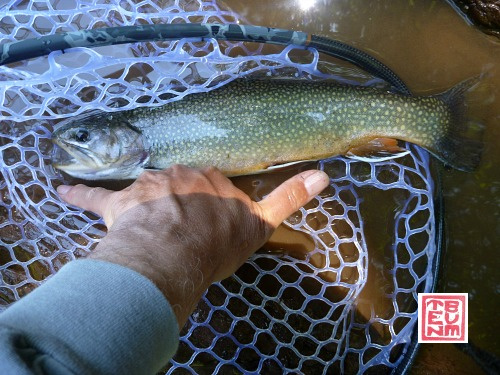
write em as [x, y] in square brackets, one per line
[431, 48]
[417, 42]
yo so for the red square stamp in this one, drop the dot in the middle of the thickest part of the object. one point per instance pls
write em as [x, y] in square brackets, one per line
[442, 317]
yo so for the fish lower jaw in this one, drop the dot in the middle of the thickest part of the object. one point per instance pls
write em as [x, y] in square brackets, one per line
[102, 174]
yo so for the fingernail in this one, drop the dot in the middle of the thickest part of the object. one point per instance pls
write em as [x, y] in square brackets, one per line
[316, 182]
[63, 189]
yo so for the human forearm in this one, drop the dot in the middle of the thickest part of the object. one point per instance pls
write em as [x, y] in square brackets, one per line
[91, 317]
[182, 276]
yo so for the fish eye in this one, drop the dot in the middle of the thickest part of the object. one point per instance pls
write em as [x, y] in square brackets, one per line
[82, 135]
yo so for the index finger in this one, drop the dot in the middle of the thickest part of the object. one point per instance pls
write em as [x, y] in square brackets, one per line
[93, 199]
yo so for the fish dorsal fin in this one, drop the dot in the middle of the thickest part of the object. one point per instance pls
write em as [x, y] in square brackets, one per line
[378, 149]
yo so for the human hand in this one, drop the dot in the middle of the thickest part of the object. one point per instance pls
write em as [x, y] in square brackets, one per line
[185, 228]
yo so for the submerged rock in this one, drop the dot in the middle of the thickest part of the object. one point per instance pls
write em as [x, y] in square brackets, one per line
[483, 13]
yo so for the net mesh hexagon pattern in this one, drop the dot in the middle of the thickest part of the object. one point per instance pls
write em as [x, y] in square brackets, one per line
[277, 313]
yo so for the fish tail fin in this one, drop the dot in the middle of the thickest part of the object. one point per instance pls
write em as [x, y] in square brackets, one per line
[462, 145]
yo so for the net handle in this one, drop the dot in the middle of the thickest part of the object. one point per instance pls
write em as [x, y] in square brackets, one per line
[41, 46]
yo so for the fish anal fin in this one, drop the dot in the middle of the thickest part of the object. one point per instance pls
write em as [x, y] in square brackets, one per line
[377, 148]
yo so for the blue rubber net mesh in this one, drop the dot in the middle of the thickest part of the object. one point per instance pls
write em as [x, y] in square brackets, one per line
[312, 314]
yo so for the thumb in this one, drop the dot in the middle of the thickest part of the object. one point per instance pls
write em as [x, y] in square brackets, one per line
[91, 199]
[293, 194]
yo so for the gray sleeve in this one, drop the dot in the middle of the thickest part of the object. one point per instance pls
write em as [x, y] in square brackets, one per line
[92, 317]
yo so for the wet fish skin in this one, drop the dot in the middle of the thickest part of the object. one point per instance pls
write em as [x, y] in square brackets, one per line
[247, 126]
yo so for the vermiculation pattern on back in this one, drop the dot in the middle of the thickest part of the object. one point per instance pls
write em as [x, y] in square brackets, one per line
[248, 125]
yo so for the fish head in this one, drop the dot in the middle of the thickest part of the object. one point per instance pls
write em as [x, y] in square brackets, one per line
[99, 147]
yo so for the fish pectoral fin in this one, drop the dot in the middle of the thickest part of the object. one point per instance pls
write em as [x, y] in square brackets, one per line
[284, 165]
[377, 149]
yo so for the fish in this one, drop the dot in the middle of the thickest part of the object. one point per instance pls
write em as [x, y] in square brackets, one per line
[247, 127]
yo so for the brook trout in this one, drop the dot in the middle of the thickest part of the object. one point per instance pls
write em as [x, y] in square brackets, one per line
[247, 126]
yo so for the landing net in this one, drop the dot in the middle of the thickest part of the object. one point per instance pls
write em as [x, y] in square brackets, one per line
[278, 313]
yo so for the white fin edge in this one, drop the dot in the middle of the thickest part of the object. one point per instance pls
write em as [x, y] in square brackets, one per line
[279, 166]
[376, 159]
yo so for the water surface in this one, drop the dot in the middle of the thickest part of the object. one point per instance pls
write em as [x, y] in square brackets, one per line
[431, 48]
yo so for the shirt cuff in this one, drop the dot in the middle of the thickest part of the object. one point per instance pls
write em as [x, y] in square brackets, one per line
[97, 317]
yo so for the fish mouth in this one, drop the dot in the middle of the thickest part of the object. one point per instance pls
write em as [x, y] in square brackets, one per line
[67, 156]
[61, 157]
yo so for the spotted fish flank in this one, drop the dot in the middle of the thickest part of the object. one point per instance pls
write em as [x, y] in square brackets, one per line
[247, 126]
